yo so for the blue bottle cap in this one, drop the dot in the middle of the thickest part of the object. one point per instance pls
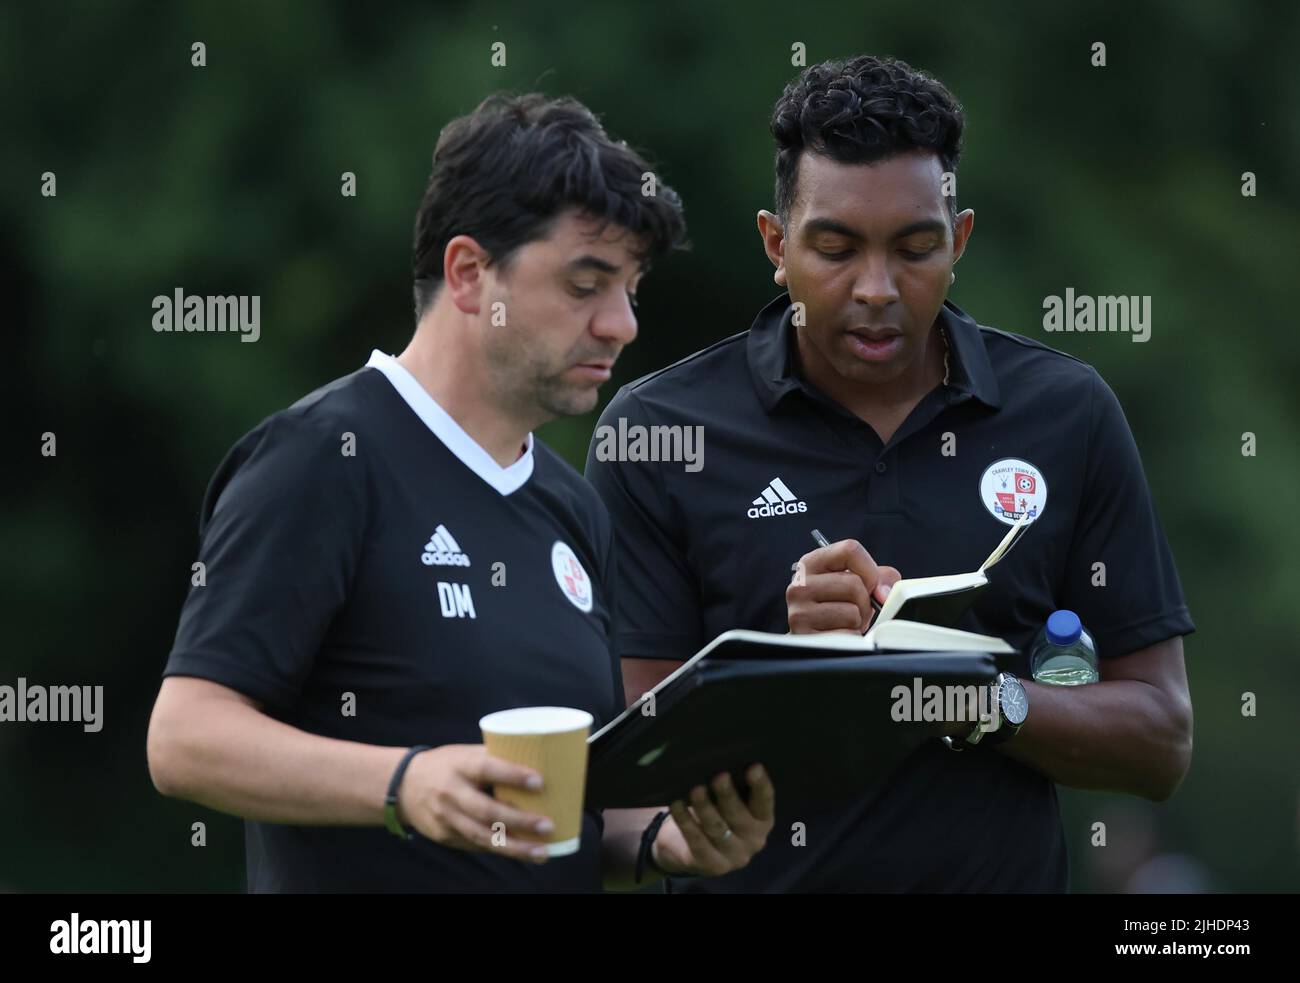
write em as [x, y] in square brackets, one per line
[1063, 627]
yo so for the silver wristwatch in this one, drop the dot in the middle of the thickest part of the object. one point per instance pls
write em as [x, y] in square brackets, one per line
[1010, 708]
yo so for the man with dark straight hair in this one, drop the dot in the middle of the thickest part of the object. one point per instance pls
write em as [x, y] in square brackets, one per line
[395, 556]
[862, 402]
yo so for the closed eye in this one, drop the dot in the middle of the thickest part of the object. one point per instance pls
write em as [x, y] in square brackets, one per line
[592, 291]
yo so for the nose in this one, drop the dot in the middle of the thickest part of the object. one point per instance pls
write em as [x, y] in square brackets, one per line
[616, 321]
[875, 284]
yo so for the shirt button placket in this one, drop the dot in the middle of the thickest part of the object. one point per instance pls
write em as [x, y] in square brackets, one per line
[882, 489]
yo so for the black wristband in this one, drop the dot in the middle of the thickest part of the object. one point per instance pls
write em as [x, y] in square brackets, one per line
[647, 847]
[646, 854]
[390, 800]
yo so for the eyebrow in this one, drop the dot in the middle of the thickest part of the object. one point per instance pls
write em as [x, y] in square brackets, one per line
[815, 225]
[601, 265]
[590, 262]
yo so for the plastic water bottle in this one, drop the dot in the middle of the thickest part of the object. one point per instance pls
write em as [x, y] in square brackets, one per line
[1063, 654]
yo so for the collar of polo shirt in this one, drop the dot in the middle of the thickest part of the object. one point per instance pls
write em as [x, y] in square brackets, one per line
[452, 434]
[771, 357]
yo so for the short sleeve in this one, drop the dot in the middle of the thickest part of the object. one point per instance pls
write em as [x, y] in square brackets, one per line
[279, 539]
[658, 605]
[1140, 602]
[610, 579]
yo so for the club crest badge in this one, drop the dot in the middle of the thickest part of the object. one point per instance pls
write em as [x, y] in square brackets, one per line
[1011, 487]
[571, 577]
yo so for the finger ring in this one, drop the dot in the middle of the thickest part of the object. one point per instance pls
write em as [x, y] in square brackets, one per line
[726, 836]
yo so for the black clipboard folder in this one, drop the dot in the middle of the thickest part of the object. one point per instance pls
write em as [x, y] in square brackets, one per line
[815, 710]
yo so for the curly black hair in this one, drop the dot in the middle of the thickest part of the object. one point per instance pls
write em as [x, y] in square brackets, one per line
[860, 111]
[502, 173]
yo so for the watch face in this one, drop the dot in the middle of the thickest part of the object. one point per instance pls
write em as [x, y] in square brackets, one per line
[1014, 700]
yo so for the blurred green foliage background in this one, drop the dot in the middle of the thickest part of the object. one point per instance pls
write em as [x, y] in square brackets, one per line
[225, 180]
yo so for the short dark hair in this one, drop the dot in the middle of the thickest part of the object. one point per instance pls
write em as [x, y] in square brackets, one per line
[503, 172]
[861, 111]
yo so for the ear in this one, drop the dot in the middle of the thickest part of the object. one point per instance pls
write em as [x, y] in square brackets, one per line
[464, 266]
[961, 231]
[773, 235]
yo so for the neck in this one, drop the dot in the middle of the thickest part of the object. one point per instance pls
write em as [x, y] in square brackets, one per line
[870, 401]
[447, 365]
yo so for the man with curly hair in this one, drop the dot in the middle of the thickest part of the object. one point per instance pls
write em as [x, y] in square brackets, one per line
[862, 402]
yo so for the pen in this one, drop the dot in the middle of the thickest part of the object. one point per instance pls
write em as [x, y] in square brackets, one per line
[820, 540]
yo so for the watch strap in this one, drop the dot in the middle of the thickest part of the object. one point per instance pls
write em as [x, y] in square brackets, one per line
[978, 736]
[1005, 729]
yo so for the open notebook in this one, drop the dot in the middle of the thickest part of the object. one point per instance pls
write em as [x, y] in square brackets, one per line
[761, 645]
[937, 601]
[785, 700]
[816, 710]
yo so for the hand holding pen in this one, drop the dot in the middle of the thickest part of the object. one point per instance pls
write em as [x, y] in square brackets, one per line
[837, 587]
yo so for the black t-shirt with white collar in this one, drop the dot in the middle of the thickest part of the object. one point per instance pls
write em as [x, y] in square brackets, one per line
[373, 575]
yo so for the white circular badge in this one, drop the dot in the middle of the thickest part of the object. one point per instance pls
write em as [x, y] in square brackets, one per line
[573, 580]
[1011, 487]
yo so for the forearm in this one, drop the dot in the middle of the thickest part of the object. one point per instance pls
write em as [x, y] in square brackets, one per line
[619, 847]
[233, 758]
[1118, 736]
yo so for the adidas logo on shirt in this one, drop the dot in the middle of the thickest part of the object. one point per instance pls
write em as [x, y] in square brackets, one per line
[442, 550]
[776, 499]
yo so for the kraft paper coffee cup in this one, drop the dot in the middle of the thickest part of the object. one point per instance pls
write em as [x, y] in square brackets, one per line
[552, 740]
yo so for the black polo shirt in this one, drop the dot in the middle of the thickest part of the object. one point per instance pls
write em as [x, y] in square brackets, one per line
[417, 575]
[1020, 427]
